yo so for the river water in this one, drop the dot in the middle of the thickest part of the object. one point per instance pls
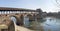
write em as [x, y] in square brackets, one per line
[51, 24]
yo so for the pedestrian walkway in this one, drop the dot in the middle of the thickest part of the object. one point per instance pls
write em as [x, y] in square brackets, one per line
[20, 28]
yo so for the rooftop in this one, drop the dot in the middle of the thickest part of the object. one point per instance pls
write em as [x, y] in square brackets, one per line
[14, 9]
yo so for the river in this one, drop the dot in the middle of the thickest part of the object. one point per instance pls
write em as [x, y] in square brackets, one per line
[51, 24]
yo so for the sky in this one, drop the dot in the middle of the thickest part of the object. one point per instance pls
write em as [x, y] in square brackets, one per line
[45, 5]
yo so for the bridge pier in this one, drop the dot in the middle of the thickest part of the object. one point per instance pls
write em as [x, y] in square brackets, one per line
[6, 13]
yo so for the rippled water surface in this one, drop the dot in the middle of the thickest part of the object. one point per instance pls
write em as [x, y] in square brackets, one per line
[51, 24]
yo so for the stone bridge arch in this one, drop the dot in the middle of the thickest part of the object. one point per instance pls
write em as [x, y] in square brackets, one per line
[20, 17]
[28, 18]
[18, 22]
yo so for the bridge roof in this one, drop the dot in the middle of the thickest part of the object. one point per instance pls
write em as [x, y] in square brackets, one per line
[15, 9]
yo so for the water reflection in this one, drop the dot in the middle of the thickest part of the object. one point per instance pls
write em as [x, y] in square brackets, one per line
[52, 24]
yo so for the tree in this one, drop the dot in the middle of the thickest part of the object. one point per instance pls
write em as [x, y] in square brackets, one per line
[40, 11]
[40, 14]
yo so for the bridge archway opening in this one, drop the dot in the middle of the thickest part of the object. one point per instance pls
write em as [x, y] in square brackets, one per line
[27, 20]
[14, 19]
